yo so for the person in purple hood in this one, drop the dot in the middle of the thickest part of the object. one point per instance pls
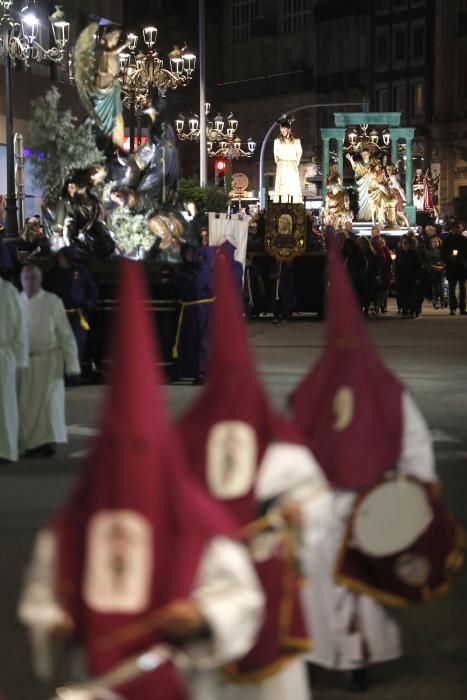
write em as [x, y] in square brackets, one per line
[74, 284]
[193, 283]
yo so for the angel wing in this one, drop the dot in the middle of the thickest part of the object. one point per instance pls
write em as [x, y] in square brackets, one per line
[85, 66]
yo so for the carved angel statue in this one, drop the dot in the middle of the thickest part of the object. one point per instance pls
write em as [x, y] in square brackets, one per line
[336, 211]
[97, 65]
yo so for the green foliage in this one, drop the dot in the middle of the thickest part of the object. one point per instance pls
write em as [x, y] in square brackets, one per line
[66, 145]
[131, 232]
[204, 198]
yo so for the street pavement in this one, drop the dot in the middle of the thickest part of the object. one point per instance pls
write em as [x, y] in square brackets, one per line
[428, 354]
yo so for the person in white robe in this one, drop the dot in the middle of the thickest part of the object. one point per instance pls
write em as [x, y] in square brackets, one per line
[227, 594]
[292, 482]
[287, 156]
[351, 630]
[13, 355]
[52, 353]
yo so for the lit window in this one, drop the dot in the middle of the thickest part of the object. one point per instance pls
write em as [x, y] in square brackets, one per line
[418, 98]
[297, 15]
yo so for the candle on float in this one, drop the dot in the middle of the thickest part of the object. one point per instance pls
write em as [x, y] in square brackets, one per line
[454, 252]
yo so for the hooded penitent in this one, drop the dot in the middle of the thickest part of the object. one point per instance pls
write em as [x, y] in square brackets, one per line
[349, 406]
[349, 409]
[225, 434]
[131, 538]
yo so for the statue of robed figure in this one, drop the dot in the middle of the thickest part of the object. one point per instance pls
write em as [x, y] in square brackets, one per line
[97, 65]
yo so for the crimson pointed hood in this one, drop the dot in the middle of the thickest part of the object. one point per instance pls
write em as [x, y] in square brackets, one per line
[231, 423]
[135, 505]
[348, 407]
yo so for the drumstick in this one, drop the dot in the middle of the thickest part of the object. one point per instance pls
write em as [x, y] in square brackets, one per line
[125, 672]
[273, 518]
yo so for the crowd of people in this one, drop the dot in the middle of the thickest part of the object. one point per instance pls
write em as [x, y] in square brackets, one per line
[427, 264]
[251, 460]
[177, 563]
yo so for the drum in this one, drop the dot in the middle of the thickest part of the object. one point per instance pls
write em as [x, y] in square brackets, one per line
[391, 517]
[401, 546]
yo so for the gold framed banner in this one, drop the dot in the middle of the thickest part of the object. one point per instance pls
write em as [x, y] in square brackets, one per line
[285, 230]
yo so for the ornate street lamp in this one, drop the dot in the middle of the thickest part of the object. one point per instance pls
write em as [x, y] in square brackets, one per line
[18, 42]
[358, 142]
[219, 142]
[143, 71]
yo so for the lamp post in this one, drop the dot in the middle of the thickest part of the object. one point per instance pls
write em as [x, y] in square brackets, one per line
[203, 161]
[220, 134]
[143, 71]
[18, 42]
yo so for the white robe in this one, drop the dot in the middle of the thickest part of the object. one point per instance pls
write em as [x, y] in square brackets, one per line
[288, 472]
[274, 479]
[13, 355]
[352, 630]
[52, 353]
[287, 156]
[227, 591]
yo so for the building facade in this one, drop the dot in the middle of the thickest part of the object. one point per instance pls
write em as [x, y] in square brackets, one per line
[449, 126]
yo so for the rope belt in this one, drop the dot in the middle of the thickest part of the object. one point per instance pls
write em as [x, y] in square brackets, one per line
[83, 322]
[183, 305]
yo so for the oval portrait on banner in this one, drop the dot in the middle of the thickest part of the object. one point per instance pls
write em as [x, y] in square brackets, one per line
[231, 456]
[119, 562]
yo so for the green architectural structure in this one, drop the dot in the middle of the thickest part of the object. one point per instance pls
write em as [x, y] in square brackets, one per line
[391, 120]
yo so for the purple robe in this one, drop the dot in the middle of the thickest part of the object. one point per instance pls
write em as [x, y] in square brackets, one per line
[78, 291]
[194, 283]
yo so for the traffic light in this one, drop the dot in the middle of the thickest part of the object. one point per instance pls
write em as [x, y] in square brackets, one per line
[219, 175]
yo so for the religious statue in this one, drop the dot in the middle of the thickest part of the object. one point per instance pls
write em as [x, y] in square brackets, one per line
[398, 192]
[336, 210]
[78, 218]
[97, 65]
[381, 198]
[435, 179]
[418, 187]
[422, 185]
[168, 230]
[119, 203]
[158, 160]
[287, 155]
[363, 177]
[428, 197]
